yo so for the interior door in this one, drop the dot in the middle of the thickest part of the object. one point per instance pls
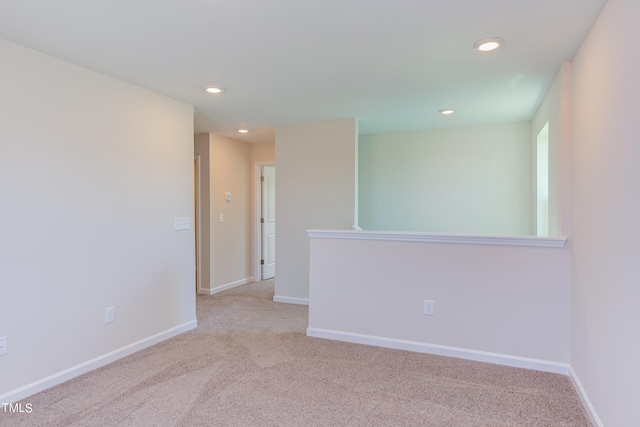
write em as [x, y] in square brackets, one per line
[268, 221]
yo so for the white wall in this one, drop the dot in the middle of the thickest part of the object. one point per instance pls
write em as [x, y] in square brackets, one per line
[556, 108]
[463, 180]
[93, 172]
[226, 245]
[508, 300]
[231, 239]
[206, 264]
[315, 189]
[606, 209]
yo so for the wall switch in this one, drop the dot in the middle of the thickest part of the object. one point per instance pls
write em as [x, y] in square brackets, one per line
[182, 223]
[221, 217]
[3, 345]
[109, 314]
[428, 308]
[227, 197]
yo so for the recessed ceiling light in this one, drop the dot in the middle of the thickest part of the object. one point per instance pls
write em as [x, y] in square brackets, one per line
[214, 89]
[243, 131]
[446, 111]
[487, 45]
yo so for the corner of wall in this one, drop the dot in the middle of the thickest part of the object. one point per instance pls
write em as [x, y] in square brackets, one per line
[316, 189]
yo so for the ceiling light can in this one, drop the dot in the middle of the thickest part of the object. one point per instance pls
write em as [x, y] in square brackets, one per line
[446, 111]
[214, 89]
[487, 45]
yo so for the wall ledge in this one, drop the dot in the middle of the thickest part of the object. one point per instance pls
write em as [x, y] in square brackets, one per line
[467, 239]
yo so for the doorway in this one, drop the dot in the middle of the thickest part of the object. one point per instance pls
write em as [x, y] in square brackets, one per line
[265, 221]
[268, 222]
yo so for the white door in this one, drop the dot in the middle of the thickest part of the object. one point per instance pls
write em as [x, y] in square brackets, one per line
[268, 221]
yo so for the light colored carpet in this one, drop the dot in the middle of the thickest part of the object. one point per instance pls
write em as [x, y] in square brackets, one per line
[249, 363]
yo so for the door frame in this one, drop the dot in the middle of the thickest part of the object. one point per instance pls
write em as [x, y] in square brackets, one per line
[256, 249]
[197, 223]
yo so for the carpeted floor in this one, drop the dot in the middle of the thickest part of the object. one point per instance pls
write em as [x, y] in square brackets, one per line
[249, 363]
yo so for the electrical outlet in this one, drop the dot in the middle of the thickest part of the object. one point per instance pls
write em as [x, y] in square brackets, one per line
[109, 314]
[3, 345]
[428, 308]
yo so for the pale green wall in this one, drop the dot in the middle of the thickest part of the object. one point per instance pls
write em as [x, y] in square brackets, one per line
[458, 180]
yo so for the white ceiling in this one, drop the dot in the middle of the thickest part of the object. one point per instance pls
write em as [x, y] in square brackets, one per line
[391, 64]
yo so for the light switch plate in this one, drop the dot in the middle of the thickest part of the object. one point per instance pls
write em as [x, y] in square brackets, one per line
[182, 223]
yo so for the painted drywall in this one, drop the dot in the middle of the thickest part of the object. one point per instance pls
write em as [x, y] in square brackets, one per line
[226, 253]
[263, 152]
[556, 109]
[315, 189]
[93, 172]
[462, 180]
[205, 262]
[231, 239]
[507, 300]
[606, 208]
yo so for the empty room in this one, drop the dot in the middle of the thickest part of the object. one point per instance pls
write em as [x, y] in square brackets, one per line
[450, 189]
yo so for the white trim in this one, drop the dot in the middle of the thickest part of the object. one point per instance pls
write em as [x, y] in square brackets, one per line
[227, 286]
[291, 300]
[257, 208]
[75, 371]
[198, 221]
[440, 350]
[469, 239]
[591, 411]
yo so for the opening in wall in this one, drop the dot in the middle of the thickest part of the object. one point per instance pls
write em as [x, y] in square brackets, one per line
[542, 184]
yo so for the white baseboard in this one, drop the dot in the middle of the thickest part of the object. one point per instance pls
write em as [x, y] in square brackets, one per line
[595, 420]
[291, 300]
[440, 350]
[75, 371]
[226, 286]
